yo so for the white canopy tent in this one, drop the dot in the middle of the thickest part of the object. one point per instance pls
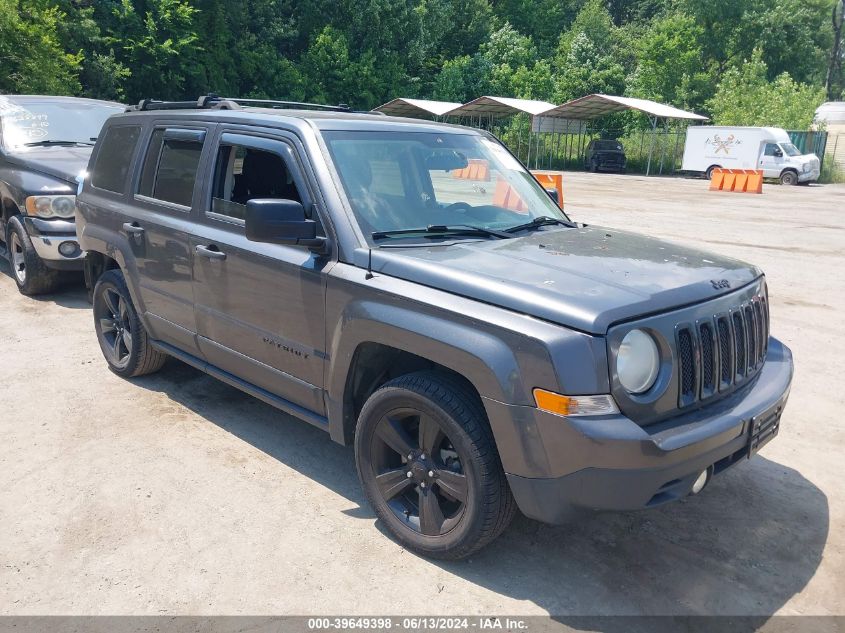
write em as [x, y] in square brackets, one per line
[595, 106]
[548, 122]
[500, 107]
[485, 111]
[598, 105]
[417, 108]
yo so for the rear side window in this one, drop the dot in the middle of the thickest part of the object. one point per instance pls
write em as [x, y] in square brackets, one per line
[170, 166]
[115, 157]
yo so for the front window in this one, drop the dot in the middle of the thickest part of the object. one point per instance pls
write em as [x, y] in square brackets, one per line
[245, 173]
[32, 122]
[790, 150]
[398, 181]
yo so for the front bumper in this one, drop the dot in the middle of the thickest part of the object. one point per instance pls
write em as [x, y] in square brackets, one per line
[560, 466]
[809, 176]
[48, 235]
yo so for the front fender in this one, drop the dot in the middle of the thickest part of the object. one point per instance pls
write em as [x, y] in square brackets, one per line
[504, 354]
[481, 357]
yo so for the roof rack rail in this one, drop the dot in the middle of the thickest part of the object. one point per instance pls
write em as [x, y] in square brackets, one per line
[232, 103]
[341, 107]
[205, 102]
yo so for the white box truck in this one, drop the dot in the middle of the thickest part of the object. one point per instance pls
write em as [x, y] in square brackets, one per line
[766, 148]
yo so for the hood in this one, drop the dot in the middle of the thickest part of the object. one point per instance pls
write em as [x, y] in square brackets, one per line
[586, 278]
[60, 162]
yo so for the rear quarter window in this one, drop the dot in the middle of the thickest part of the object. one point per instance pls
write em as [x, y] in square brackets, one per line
[115, 157]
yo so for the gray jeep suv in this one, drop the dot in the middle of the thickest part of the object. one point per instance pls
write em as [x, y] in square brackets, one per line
[480, 350]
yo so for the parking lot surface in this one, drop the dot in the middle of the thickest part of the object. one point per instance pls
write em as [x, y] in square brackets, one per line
[177, 494]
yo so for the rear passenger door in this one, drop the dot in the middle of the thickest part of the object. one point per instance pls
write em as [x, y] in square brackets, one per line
[165, 193]
[260, 308]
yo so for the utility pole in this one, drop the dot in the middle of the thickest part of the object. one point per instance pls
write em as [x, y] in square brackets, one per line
[834, 83]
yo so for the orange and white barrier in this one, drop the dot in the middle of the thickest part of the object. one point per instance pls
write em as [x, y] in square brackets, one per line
[506, 197]
[738, 180]
[551, 180]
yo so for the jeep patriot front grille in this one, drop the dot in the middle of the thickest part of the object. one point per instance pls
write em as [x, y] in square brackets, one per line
[716, 354]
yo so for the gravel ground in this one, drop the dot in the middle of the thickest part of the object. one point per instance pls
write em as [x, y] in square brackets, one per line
[176, 494]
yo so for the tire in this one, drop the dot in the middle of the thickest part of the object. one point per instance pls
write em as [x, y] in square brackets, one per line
[789, 178]
[709, 173]
[594, 166]
[31, 274]
[459, 485]
[120, 333]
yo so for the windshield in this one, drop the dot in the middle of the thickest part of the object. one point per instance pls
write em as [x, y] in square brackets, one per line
[412, 180]
[608, 145]
[790, 150]
[28, 121]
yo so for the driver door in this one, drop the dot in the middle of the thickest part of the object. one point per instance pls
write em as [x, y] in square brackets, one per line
[771, 160]
[260, 308]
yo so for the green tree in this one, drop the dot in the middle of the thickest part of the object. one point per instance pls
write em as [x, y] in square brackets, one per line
[669, 63]
[543, 20]
[462, 79]
[586, 70]
[157, 41]
[32, 56]
[587, 58]
[595, 22]
[795, 37]
[745, 96]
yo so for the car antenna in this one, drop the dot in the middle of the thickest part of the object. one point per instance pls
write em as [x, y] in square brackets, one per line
[369, 274]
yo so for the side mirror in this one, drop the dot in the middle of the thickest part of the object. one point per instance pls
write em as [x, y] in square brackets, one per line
[552, 191]
[280, 222]
[779, 153]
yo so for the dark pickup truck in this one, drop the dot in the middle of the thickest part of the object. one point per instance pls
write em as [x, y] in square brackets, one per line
[45, 144]
[481, 351]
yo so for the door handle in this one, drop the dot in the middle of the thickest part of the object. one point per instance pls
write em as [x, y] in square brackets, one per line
[133, 228]
[210, 252]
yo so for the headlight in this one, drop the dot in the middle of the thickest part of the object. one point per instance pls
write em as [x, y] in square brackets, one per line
[51, 206]
[637, 361]
[806, 166]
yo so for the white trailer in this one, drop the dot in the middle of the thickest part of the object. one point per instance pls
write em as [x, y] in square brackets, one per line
[766, 148]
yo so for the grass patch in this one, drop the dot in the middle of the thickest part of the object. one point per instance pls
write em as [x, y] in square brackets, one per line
[831, 172]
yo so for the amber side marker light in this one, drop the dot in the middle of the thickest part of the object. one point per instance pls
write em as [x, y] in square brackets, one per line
[574, 405]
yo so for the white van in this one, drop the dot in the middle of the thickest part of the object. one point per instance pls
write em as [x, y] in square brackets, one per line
[766, 148]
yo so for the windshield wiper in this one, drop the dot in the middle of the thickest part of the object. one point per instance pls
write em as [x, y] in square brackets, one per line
[543, 220]
[438, 230]
[54, 142]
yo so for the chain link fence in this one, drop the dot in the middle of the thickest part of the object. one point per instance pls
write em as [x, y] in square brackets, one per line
[653, 151]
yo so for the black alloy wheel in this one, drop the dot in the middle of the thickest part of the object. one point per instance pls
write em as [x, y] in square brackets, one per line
[429, 465]
[418, 472]
[120, 333]
[114, 328]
